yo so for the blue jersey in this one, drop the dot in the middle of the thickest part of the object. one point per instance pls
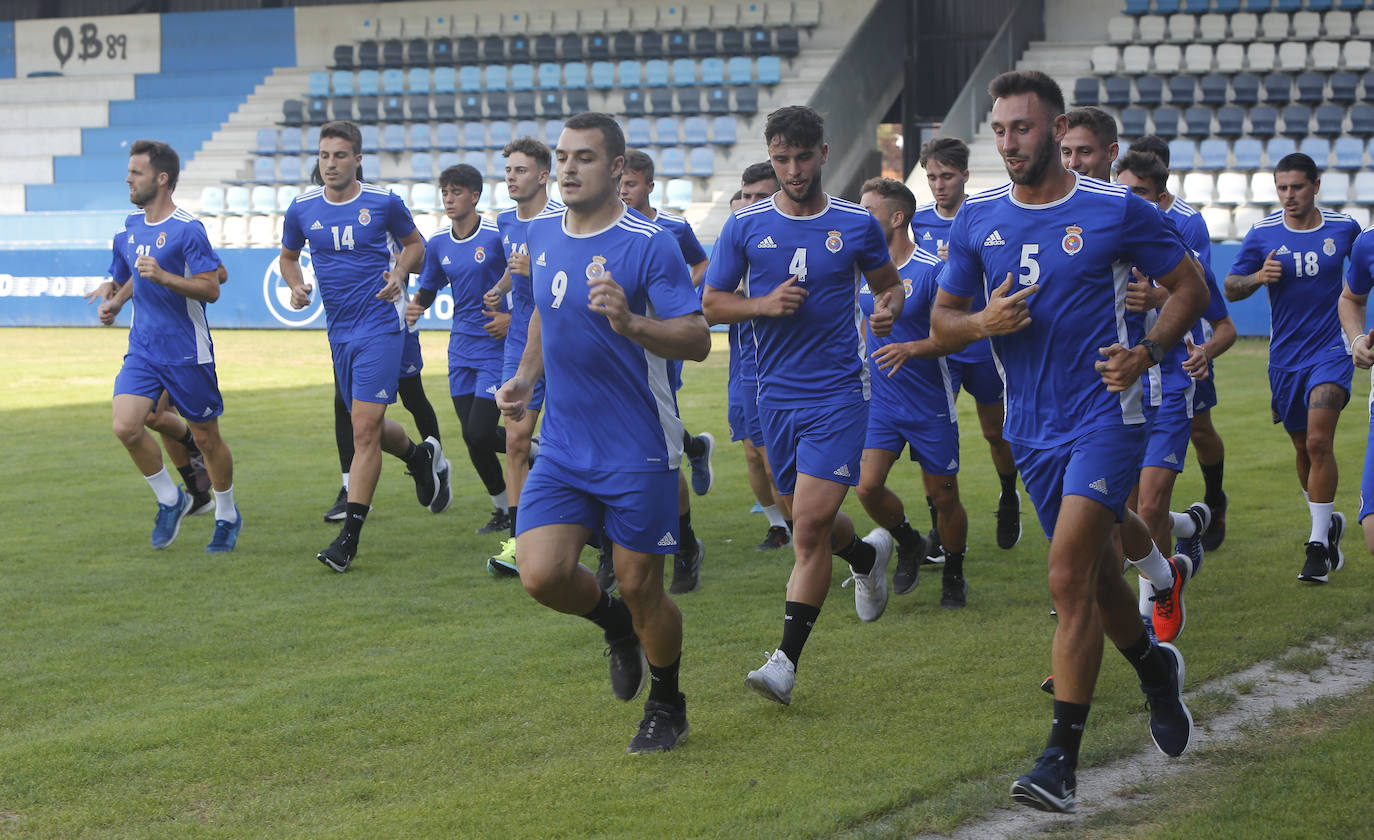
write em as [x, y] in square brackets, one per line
[351, 247]
[608, 403]
[1192, 229]
[919, 385]
[742, 368]
[681, 229]
[1079, 250]
[167, 327]
[930, 230]
[1359, 277]
[815, 356]
[513, 229]
[470, 267]
[1302, 305]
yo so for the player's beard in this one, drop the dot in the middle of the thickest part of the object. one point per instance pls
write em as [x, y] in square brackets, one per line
[1037, 165]
[812, 188]
[142, 199]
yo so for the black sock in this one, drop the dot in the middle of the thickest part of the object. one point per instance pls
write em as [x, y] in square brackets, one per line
[904, 534]
[686, 537]
[1147, 659]
[1211, 481]
[512, 521]
[934, 515]
[188, 475]
[612, 616]
[663, 683]
[355, 514]
[1067, 730]
[798, 619]
[692, 446]
[188, 440]
[411, 449]
[954, 565]
[1008, 484]
[859, 555]
[790, 529]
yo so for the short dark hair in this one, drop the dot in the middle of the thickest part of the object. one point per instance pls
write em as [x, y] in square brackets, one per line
[1299, 162]
[1099, 122]
[462, 175]
[344, 130]
[890, 189]
[1016, 82]
[1155, 145]
[530, 147]
[756, 172]
[611, 134]
[737, 196]
[951, 151]
[161, 157]
[1146, 166]
[640, 162]
[795, 125]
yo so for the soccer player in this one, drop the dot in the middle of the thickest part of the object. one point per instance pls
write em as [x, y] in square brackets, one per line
[1353, 305]
[945, 160]
[614, 303]
[349, 226]
[470, 258]
[801, 254]
[528, 162]
[1078, 432]
[1297, 253]
[169, 343]
[1089, 146]
[912, 405]
[636, 184]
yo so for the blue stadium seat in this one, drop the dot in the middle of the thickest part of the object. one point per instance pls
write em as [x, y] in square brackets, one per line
[695, 131]
[446, 136]
[739, 70]
[293, 112]
[493, 49]
[1349, 153]
[312, 139]
[1263, 121]
[603, 75]
[1311, 88]
[527, 128]
[574, 75]
[522, 77]
[267, 141]
[418, 137]
[546, 47]
[444, 161]
[1196, 7]
[704, 42]
[1245, 89]
[1362, 120]
[656, 73]
[723, 130]
[417, 53]
[469, 78]
[441, 52]
[550, 102]
[372, 137]
[1197, 121]
[393, 53]
[1249, 153]
[417, 79]
[758, 40]
[1149, 91]
[1137, 7]
[769, 70]
[477, 160]
[701, 162]
[552, 129]
[445, 106]
[369, 83]
[1118, 91]
[639, 132]
[499, 133]
[667, 131]
[318, 83]
[1278, 89]
[718, 101]
[393, 138]
[1330, 119]
[1133, 122]
[684, 71]
[422, 166]
[394, 108]
[1165, 120]
[1166, 7]
[578, 101]
[598, 47]
[1183, 91]
[341, 83]
[572, 47]
[290, 141]
[731, 41]
[467, 50]
[393, 81]
[445, 80]
[678, 44]
[1317, 148]
[1297, 120]
[1287, 5]
[1212, 154]
[688, 100]
[746, 99]
[1226, 7]
[494, 77]
[713, 70]
[1085, 91]
[474, 135]
[264, 199]
[1256, 5]
[237, 200]
[633, 102]
[498, 104]
[424, 196]
[678, 193]
[672, 162]
[343, 57]
[1278, 148]
[518, 48]
[1213, 89]
[418, 106]
[1182, 153]
[661, 101]
[623, 44]
[1343, 87]
[264, 170]
[630, 73]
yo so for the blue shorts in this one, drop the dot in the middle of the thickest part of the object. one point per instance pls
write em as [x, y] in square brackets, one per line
[934, 442]
[1170, 431]
[743, 412]
[980, 379]
[1205, 393]
[193, 389]
[1289, 388]
[474, 366]
[1102, 465]
[510, 364]
[825, 442]
[411, 361]
[368, 368]
[637, 510]
[1367, 480]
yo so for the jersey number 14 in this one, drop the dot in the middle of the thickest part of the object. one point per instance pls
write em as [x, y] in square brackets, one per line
[342, 242]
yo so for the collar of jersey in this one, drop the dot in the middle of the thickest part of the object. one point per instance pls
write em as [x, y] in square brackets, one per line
[1011, 196]
[147, 223]
[324, 195]
[467, 238]
[1283, 218]
[563, 222]
[778, 209]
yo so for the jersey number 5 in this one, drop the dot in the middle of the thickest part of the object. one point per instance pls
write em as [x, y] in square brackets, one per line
[798, 265]
[1029, 265]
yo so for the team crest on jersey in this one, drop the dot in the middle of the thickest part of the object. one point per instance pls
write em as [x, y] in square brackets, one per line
[364, 216]
[162, 240]
[1329, 247]
[1073, 240]
[596, 269]
[480, 254]
[833, 242]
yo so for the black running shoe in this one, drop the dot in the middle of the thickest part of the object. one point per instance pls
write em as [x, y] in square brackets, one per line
[1333, 539]
[1047, 685]
[1317, 568]
[1009, 519]
[1216, 529]
[953, 592]
[629, 667]
[421, 468]
[777, 537]
[935, 550]
[339, 509]
[605, 570]
[663, 728]
[202, 501]
[687, 570]
[1171, 724]
[1050, 786]
[908, 572]
[339, 555]
[500, 521]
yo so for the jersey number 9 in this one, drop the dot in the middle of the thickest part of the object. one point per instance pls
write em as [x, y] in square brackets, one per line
[559, 287]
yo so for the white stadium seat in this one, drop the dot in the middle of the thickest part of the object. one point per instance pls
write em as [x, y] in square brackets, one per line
[1359, 214]
[1182, 28]
[1121, 29]
[1151, 29]
[1274, 26]
[1335, 188]
[1326, 55]
[1262, 189]
[1211, 28]
[1244, 27]
[1197, 59]
[1198, 188]
[1230, 58]
[1364, 187]
[1259, 57]
[1364, 23]
[1355, 55]
[1135, 59]
[1246, 217]
[1292, 56]
[1337, 25]
[1105, 60]
[1168, 58]
[1231, 188]
[1218, 221]
[1307, 26]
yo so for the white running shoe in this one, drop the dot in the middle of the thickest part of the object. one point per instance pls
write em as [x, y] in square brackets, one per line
[441, 472]
[775, 679]
[870, 590]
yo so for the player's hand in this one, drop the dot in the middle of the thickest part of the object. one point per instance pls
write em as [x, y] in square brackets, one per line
[513, 396]
[519, 263]
[104, 291]
[943, 251]
[493, 296]
[300, 296]
[148, 269]
[107, 312]
[1360, 350]
[1122, 367]
[1271, 271]
[1196, 363]
[498, 323]
[604, 295]
[413, 312]
[1007, 312]
[1142, 295]
[395, 286]
[786, 299]
[881, 319]
[891, 357]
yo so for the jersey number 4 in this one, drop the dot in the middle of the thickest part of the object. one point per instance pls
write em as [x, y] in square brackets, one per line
[343, 242]
[798, 265]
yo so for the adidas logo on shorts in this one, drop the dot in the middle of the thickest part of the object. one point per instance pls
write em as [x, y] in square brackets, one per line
[207, 412]
[768, 243]
[1100, 486]
[994, 238]
[381, 395]
[953, 464]
[1171, 458]
[667, 541]
[843, 471]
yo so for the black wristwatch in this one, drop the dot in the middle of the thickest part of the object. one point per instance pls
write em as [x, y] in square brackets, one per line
[1156, 352]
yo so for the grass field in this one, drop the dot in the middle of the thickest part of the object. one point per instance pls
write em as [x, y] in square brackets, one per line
[176, 694]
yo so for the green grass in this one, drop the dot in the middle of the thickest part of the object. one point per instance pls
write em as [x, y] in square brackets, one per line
[171, 694]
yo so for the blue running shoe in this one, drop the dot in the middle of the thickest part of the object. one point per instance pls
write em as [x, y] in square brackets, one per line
[1171, 724]
[1192, 546]
[757, 508]
[1050, 786]
[703, 477]
[226, 534]
[168, 522]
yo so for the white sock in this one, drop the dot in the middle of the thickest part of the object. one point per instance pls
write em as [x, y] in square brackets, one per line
[774, 515]
[224, 506]
[1321, 520]
[1306, 498]
[499, 500]
[1147, 590]
[345, 482]
[163, 487]
[1155, 568]
[1182, 525]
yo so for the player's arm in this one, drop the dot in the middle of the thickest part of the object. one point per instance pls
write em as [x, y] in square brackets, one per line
[699, 272]
[110, 307]
[1352, 309]
[407, 263]
[203, 286]
[289, 264]
[222, 274]
[514, 394]
[682, 337]
[888, 297]
[1242, 286]
[1187, 301]
[953, 327]
[891, 357]
[1223, 336]
[492, 298]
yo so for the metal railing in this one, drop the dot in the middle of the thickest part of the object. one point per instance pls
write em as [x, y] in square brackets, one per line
[1025, 24]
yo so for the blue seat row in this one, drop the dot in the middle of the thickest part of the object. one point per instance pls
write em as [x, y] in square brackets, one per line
[1341, 88]
[1251, 153]
[1169, 122]
[1169, 7]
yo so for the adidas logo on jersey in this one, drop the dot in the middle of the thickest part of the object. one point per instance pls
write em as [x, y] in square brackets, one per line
[540, 260]
[381, 395]
[491, 389]
[317, 225]
[843, 471]
[768, 243]
[1100, 486]
[1171, 458]
[1283, 250]
[667, 541]
[994, 238]
[926, 236]
[444, 261]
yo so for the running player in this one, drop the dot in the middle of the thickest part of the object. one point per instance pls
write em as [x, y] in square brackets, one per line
[1298, 254]
[945, 160]
[1353, 306]
[614, 303]
[912, 405]
[1078, 435]
[470, 258]
[1089, 146]
[800, 255]
[349, 226]
[169, 343]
